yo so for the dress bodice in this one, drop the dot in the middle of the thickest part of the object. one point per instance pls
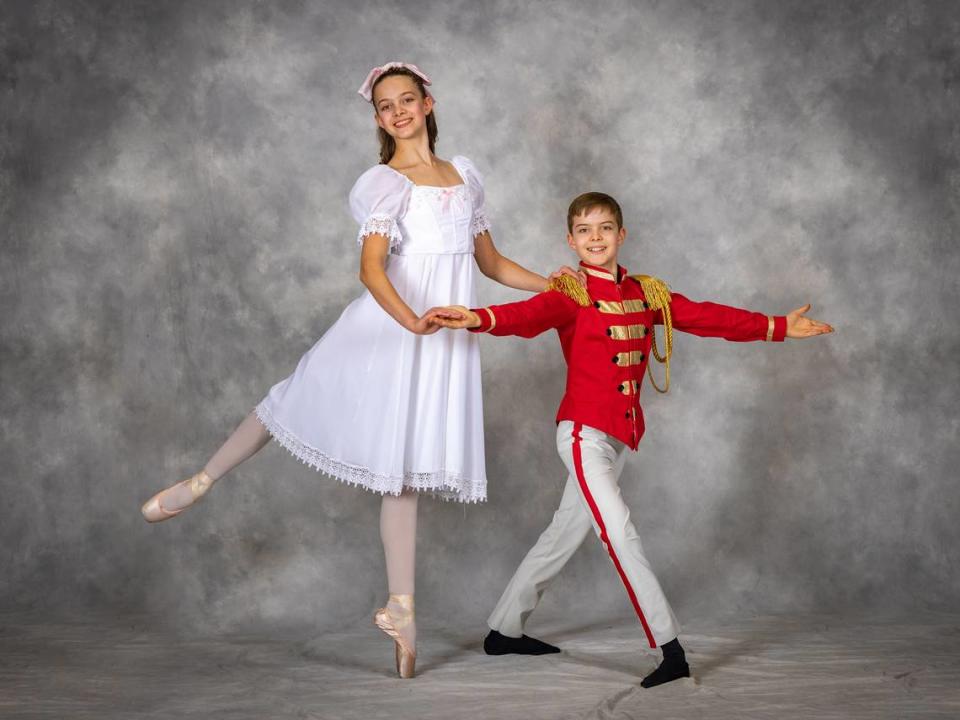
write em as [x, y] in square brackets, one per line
[437, 221]
[420, 219]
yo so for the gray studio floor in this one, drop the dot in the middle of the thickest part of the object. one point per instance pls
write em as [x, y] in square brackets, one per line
[767, 667]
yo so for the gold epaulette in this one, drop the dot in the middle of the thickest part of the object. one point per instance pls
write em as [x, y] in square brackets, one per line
[657, 295]
[572, 288]
[656, 291]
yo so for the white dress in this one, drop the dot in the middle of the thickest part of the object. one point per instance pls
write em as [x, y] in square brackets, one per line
[373, 404]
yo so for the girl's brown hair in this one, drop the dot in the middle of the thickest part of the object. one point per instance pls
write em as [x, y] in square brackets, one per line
[388, 145]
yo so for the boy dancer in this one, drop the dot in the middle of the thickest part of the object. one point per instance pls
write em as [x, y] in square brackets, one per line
[606, 331]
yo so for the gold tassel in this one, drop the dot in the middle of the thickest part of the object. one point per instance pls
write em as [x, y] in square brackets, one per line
[572, 288]
[657, 295]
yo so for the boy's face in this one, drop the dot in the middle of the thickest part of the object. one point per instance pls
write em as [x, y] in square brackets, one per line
[596, 238]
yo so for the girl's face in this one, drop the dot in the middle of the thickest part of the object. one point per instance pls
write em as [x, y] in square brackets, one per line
[400, 109]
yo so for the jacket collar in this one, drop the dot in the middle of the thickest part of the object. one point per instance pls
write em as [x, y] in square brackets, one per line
[602, 273]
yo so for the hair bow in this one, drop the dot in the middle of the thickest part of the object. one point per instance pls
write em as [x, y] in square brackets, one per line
[366, 90]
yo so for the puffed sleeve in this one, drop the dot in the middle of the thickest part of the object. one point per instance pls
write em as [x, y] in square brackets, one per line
[474, 181]
[378, 200]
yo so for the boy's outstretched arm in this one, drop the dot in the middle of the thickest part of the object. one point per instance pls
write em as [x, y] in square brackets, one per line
[527, 318]
[708, 319]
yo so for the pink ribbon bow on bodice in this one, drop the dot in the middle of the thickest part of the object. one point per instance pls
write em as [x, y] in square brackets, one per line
[450, 193]
[445, 195]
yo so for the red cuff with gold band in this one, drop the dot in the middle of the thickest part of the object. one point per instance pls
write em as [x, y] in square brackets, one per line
[776, 328]
[488, 320]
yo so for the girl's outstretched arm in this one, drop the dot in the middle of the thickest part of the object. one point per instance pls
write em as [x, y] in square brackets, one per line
[506, 272]
[373, 258]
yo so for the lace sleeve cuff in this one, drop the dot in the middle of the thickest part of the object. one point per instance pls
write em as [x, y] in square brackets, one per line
[381, 225]
[479, 224]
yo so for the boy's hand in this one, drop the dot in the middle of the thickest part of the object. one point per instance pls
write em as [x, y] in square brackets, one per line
[455, 317]
[799, 326]
[565, 270]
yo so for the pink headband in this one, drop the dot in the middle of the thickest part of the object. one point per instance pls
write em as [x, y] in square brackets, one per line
[367, 88]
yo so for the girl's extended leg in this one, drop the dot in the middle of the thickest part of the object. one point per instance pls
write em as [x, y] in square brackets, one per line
[249, 437]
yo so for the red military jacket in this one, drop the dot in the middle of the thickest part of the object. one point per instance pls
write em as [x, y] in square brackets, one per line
[606, 344]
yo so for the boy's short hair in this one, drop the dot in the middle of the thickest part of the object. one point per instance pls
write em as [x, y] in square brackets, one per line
[583, 204]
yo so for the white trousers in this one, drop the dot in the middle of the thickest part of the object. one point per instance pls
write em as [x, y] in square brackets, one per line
[591, 498]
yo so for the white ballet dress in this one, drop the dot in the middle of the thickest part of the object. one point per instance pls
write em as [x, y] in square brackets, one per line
[373, 404]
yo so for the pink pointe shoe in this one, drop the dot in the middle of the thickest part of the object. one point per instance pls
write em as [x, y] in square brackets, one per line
[153, 509]
[391, 624]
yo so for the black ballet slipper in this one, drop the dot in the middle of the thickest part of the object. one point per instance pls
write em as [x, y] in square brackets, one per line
[498, 644]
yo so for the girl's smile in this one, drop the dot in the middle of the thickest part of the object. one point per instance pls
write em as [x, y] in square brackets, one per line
[400, 109]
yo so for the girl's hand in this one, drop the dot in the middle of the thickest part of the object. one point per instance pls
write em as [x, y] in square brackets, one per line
[565, 270]
[455, 317]
[799, 326]
[422, 326]
[427, 323]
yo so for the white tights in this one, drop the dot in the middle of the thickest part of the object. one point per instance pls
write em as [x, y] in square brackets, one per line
[398, 531]
[249, 437]
[245, 442]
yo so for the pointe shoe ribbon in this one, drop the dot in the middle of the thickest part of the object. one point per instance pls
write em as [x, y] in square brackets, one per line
[392, 625]
[153, 510]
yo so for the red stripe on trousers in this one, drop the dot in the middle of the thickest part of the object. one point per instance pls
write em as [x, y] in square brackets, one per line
[578, 465]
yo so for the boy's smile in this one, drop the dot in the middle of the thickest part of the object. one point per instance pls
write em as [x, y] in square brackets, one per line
[596, 238]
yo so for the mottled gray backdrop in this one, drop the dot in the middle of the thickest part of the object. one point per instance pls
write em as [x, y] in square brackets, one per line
[173, 181]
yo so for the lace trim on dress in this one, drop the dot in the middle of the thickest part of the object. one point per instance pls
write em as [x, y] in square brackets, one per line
[442, 484]
[479, 224]
[381, 225]
[440, 192]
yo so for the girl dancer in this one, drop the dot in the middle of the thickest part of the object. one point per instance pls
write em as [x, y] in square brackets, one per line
[381, 401]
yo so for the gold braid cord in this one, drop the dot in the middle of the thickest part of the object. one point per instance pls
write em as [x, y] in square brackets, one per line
[572, 288]
[658, 298]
